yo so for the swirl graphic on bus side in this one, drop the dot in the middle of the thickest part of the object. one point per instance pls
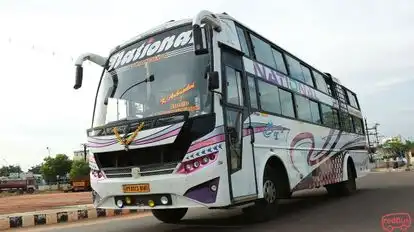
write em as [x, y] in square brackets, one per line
[300, 138]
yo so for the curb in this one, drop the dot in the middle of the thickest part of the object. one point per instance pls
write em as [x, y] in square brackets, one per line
[391, 170]
[58, 216]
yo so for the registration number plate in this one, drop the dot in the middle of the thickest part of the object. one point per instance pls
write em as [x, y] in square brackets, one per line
[136, 188]
[79, 184]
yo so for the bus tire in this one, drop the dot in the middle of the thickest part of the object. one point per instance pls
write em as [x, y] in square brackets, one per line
[169, 215]
[265, 209]
[344, 188]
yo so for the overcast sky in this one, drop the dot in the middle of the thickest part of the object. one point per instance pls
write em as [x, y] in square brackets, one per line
[366, 44]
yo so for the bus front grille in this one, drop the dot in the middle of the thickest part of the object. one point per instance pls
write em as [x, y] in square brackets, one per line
[150, 170]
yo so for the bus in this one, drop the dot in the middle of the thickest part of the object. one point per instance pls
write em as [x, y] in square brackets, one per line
[205, 112]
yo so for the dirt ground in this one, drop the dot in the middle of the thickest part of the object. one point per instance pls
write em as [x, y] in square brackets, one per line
[35, 202]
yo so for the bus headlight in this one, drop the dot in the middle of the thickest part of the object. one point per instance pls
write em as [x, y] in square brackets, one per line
[120, 203]
[164, 200]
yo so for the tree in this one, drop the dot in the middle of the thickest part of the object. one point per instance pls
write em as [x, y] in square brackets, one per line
[6, 170]
[52, 167]
[35, 169]
[79, 168]
[394, 147]
[409, 146]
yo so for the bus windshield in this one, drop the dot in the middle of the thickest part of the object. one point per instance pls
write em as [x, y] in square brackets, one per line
[179, 83]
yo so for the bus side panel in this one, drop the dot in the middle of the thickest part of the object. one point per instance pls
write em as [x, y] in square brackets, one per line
[312, 155]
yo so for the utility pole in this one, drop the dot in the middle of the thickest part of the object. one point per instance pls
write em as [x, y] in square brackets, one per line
[48, 150]
[376, 132]
[84, 150]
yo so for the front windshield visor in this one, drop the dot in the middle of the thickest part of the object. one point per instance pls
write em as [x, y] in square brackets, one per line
[179, 84]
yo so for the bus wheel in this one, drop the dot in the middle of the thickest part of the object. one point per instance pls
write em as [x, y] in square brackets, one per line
[169, 215]
[344, 188]
[265, 209]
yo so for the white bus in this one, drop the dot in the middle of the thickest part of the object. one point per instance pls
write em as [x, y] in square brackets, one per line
[205, 112]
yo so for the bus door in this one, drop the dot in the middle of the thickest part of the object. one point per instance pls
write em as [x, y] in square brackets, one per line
[238, 130]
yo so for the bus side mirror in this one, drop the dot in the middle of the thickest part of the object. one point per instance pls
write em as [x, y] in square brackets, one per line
[213, 80]
[200, 42]
[78, 77]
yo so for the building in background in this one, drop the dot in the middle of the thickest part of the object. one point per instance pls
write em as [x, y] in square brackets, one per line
[79, 155]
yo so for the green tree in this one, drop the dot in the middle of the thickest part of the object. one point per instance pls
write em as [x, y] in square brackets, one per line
[79, 168]
[410, 147]
[394, 147]
[35, 169]
[6, 170]
[52, 167]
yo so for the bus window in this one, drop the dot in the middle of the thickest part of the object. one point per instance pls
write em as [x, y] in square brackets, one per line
[307, 75]
[316, 114]
[269, 98]
[263, 51]
[303, 108]
[243, 41]
[347, 123]
[286, 100]
[280, 63]
[320, 82]
[352, 99]
[329, 116]
[234, 91]
[295, 69]
[252, 92]
[359, 128]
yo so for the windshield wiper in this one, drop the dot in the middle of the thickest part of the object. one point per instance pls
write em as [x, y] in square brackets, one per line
[112, 89]
[151, 78]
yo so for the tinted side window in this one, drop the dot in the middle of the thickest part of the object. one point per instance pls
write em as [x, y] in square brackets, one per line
[307, 76]
[286, 100]
[252, 92]
[320, 82]
[359, 128]
[316, 115]
[280, 63]
[329, 116]
[303, 108]
[295, 69]
[335, 116]
[352, 99]
[347, 122]
[269, 97]
[263, 51]
[234, 91]
[243, 41]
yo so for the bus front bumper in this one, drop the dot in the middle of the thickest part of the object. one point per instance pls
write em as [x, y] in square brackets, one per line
[203, 189]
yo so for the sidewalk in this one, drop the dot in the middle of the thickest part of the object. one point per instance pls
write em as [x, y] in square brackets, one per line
[58, 215]
[39, 202]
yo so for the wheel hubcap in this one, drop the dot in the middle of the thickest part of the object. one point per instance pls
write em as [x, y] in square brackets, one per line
[269, 191]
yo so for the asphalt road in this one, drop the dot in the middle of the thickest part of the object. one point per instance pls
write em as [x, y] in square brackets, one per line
[379, 194]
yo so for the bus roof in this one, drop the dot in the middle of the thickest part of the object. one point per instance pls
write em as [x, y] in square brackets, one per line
[224, 15]
[159, 28]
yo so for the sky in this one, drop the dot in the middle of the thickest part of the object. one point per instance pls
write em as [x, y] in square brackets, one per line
[366, 44]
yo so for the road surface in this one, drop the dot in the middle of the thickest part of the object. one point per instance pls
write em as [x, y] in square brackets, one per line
[379, 194]
[42, 201]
